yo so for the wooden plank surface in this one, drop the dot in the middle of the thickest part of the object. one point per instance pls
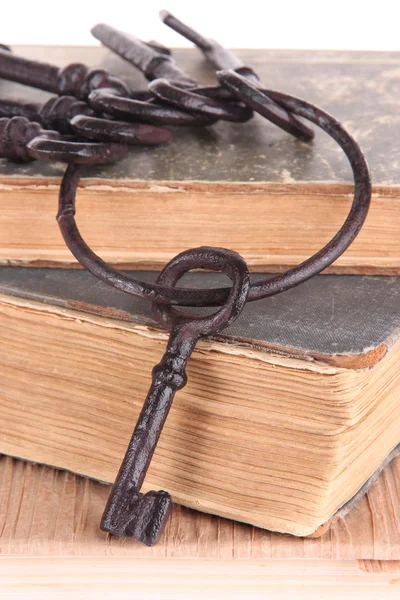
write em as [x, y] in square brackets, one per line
[47, 512]
[182, 579]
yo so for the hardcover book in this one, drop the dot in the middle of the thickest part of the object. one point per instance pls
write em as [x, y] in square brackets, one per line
[285, 419]
[248, 186]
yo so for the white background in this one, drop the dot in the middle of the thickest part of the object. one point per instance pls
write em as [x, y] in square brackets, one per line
[325, 24]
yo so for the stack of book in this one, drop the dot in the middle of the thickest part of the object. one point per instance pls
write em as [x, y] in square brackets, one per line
[289, 415]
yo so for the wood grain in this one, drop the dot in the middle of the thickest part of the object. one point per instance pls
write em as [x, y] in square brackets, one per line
[48, 512]
[183, 579]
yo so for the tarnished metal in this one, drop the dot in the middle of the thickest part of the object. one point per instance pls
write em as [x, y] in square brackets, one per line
[264, 288]
[16, 134]
[22, 141]
[82, 153]
[76, 79]
[146, 111]
[223, 59]
[55, 113]
[261, 102]
[99, 129]
[220, 57]
[173, 86]
[103, 91]
[169, 82]
[129, 512]
[191, 99]
[149, 60]
[68, 115]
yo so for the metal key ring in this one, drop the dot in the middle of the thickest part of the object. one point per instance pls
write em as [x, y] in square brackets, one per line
[213, 259]
[262, 289]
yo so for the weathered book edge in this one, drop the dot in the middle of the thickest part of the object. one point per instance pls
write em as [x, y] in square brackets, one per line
[350, 504]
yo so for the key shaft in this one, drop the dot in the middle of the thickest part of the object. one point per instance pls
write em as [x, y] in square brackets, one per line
[126, 504]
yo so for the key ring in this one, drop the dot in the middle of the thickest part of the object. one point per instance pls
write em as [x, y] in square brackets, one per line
[262, 289]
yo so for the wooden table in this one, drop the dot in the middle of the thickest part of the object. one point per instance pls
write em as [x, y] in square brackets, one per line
[52, 548]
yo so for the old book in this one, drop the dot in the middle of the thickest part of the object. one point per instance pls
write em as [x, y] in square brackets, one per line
[250, 187]
[286, 416]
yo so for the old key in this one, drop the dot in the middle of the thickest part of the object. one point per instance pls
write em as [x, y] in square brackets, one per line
[129, 512]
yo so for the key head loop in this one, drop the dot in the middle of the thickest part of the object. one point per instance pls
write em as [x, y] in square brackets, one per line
[191, 100]
[145, 111]
[83, 153]
[94, 128]
[213, 259]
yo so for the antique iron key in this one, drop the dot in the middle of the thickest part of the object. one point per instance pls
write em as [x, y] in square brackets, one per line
[129, 512]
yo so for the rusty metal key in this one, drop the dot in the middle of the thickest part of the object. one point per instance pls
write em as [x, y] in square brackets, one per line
[130, 512]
